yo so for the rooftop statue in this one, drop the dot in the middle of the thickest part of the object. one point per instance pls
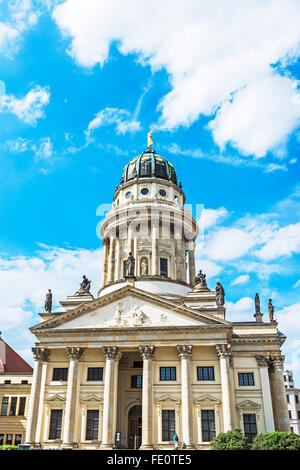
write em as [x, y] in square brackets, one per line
[257, 303]
[220, 295]
[201, 279]
[85, 286]
[150, 140]
[48, 301]
[271, 310]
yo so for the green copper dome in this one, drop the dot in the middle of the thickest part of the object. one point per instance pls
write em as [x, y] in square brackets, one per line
[148, 165]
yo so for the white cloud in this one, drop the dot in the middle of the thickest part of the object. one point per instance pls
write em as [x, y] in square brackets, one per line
[241, 279]
[120, 118]
[45, 149]
[7, 36]
[260, 116]
[210, 268]
[213, 52]
[42, 149]
[29, 108]
[210, 217]
[24, 281]
[283, 242]
[242, 310]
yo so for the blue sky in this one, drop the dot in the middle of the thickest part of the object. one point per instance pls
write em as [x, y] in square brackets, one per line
[80, 85]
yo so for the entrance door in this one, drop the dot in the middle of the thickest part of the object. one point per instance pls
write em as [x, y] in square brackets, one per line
[134, 427]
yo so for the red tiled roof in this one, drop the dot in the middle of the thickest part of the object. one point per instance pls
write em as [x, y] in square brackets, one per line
[10, 361]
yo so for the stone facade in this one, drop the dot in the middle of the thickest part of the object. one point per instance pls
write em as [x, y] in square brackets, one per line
[293, 401]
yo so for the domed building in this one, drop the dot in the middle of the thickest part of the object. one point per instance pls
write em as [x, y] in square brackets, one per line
[154, 352]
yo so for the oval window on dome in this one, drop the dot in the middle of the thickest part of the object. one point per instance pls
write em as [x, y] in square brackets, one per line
[162, 192]
[144, 191]
[127, 195]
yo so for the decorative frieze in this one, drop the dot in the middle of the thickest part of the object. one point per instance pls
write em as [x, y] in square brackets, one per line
[147, 352]
[41, 354]
[184, 351]
[111, 352]
[223, 350]
[74, 353]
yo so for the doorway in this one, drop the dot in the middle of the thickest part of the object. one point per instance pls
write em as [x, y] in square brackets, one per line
[134, 427]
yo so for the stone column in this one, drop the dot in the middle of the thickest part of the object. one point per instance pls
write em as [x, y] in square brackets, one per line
[117, 261]
[185, 354]
[223, 352]
[266, 392]
[155, 260]
[112, 356]
[40, 355]
[278, 393]
[38, 434]
[147, 353]
[192, 269]
[74, 355]
[105, 261]
[111, 260]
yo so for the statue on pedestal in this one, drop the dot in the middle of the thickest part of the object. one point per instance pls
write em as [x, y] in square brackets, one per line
[257, 303]
[144, 267]
[220, 295]
[271, 310]
[200, 281]
[130, 264]
[48, 301]
[85, 286]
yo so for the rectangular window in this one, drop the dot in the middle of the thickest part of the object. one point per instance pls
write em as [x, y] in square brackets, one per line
[22, 406]
[9, 439]
[168, 425]
[18, 439]
[208, 425]
[13, 406]
[55, 424]
[137, 364]
[164, 267]
[95, 373]
[23, 382]
[7, 382]
[168, 373]
[297, 398]
[1, 439]
[205, 373]
[136, 381]
[250, 429]
[298, 412]
[92, 424]
[290, 414]
[4, 407]
[288, 398]
[60, 374]
[246, 379]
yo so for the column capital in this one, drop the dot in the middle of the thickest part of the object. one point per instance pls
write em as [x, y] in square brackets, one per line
[223, 350]
[147, 352]
[111, 352]
[41, 354]
[262, 361]
[184, 351]
[74, 353]
[277, 361]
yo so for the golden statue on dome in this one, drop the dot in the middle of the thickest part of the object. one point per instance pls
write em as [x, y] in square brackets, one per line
[150, 140]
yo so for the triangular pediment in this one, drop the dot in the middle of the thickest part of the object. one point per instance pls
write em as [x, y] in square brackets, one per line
[248, 404]
[92, 398]
[56, 398]
[207, 399]
[167, 399]
[130, 307]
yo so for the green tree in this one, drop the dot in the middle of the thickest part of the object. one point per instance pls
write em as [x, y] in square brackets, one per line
[231, 440]
[8, 447]
[276, 441]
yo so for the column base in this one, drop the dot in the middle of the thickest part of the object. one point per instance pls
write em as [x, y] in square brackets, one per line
[146, 447]
[67, 445]
[188, 447]
[107, 446]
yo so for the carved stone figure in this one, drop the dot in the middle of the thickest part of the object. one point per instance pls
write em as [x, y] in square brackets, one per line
[257, 303]
[85, 286]
[220, 295]
[150, 140]
[144, 267]
[118, 315]
[201, 279]
[130, 264]
[271, 310]
[48, 302]
[138, 317]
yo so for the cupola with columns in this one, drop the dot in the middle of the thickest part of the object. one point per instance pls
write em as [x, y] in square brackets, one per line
[148, 220]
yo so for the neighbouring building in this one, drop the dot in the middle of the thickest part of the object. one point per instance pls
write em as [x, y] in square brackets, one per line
[293, 401]
[15, 384]
[154, 352]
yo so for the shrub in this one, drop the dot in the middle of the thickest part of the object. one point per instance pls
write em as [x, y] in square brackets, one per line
[276, 441]
[231, 440]
[7, 447]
